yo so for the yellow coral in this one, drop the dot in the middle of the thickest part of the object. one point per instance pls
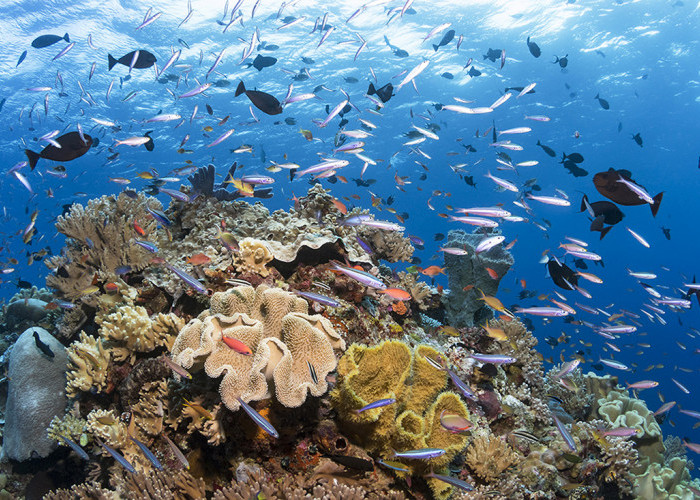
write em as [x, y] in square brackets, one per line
[392, 370]
[88, 362]
[129, 330]
[488, 456]
[286, 342]
[147, 413]
[105, 424]
[252, 257]
[67, 426]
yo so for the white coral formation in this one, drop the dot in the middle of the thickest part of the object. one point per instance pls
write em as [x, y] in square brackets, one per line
[287, 344]
[252, 257]
[87, 367]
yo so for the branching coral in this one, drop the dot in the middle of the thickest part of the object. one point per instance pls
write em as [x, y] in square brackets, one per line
[288, 346]
[87, 365]
[69, 426]
[129, 330]
[101, 239]
[159, 485]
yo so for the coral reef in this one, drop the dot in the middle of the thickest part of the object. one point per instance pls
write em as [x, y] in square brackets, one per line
[488, 456]
[252, 257]
[288, 346]
[87, 368]
[463, 307]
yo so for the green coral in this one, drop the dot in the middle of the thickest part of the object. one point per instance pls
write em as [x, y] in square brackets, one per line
[392, 370]
[668, 481]
[620, 410]
[69, 427]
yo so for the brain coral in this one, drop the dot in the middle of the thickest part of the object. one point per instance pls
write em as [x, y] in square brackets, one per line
[287, 344]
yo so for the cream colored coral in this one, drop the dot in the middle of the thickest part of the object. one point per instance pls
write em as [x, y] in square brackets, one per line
[68, 426]
[105, 424]
[252, 257]
[129, 330]
[286, 343]
[88, 362]
[488, 456]
[148, 412]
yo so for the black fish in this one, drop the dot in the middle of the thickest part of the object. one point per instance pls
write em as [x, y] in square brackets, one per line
[474, 72]
[150, 144]
[72, 147]
[574, 169]
[600, 53]
[580, 264]
[667, 232]
[384, 93]
[619, 127]
[447, 75]
[261, 62]
[469, 148]
[183, 43]
[575, 157]
[352, 462]
[563, 61]
[547, 149]
[603, 103]
[533, 48]
[562, 275]
[2, 103]
[22, 284]
[608, 184]
[469, 179]
[364, 182]
[261, 100]
[307, 60]
[519, 89]
[638, 139]
[423, 176]
[48, 40]
[447, 38]
[21, 58]
[439, 237]
[144, 60]
[41, 346]
[604, 212]
[493, 54]
[351, 79]
[290, 120]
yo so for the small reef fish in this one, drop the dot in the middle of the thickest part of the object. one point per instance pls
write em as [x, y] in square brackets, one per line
[237, 345]
[76, 447]
[259, 419]
[376, 404]
[203, 412]
[453, 481]
[44, 348]
[397, 466]
[454, 423]
[565, 434]
[149, 454]
[421, 454]
[189, 280]
[317, 297]
[175, 367]
[363, 277]
[117, 456]
[176, 451]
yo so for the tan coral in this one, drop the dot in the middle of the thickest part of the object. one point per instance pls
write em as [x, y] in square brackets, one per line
[488, 456]
[87, 368]
[105, 424]
[286, 344]
[147, 413]
[129, 330]
[252, 257]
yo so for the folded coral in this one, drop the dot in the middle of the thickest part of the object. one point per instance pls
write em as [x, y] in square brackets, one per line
[288, 346]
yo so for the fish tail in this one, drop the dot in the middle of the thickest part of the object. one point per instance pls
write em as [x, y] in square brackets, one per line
[32, 157]
[605, 231]
[110, 62]
[657, 203]
[597, 96]
[538, 141]
[371, 90]
[240, 89]
[435, 47]
[66, 38]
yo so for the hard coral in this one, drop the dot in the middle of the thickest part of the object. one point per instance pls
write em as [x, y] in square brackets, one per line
[88, 361]
[101, 239]
[286, 343]
[252, 257]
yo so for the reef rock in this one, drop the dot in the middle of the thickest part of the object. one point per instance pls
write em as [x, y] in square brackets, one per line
[289, 346]
[36, 394]
[464, 307]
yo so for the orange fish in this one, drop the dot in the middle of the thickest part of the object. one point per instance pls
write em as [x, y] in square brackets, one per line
[340, 206]
[111, 288]
[342, 179]
[468, 287]
[493, 274]
[397, 293]
[139, 229]
[523, 284]
[237, 345]
[511, 244]
[432, 271]
[198, 259]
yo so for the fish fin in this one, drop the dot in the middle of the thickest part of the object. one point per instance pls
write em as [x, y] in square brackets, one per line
[66, 38]
[538, 142]
[657, 203]
[240, 89]
[435, 47]
[584, 203]
[32, 157]
[597, 96]
[371, 90]
[110, 62]
[605, 231]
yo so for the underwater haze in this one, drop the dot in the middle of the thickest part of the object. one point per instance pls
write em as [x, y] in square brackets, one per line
[526, 166]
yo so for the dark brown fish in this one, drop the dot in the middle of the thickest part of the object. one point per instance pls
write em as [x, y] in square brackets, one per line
[72, 147]
[263, 101]
[607, 184]
[144, 60]
[562, 275]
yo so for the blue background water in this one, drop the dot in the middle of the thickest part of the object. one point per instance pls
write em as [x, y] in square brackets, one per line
[648, 74]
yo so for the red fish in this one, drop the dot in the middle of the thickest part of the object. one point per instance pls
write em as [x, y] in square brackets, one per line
[139, 229]
[237, 345]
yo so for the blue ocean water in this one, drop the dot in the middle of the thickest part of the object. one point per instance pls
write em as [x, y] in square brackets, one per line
[638, 56]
